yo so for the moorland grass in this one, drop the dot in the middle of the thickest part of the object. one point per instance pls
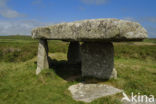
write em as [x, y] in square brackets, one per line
[19, 85]
[14, 49]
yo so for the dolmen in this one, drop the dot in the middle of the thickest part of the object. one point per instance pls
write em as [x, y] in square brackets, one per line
[96, 51]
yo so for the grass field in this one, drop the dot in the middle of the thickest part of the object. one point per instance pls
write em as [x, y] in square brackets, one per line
[135, 63]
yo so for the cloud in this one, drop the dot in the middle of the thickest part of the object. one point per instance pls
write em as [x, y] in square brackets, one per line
[142, 19]
[151, 31]
[149, 19]
[5, 11]
[96, 2]
[10, 13]
[129, 19]
[19, 27]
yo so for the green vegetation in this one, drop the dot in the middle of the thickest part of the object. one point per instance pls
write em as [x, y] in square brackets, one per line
[24, 48]
[152, 40]
[135, 63]
[135, 51]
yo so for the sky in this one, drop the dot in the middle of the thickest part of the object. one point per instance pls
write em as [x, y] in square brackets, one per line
[21, 16]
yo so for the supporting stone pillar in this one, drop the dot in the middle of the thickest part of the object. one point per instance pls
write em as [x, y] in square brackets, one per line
[42, 58]
[74, 52]
[97, 60]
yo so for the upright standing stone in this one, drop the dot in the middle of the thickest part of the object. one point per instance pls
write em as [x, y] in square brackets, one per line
[42, 59]
[97, 59]
[74, 52]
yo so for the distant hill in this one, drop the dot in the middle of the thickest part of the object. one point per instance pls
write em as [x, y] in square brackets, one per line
[25, 37]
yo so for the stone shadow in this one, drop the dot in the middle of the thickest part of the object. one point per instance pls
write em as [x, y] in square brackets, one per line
[71, 72]
[67, 71]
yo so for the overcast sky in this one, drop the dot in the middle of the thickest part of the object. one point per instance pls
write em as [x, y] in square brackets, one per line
[20, 16]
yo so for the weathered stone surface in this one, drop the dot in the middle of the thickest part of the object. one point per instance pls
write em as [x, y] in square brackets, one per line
[94, 29]
[90, 92]
[42, 58]
[74, 52]
[97, 60]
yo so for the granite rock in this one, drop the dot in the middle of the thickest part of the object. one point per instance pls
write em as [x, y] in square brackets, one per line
[89, 92]
[42, 58]
[97, 60]
[74, 53]
[92, 30]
